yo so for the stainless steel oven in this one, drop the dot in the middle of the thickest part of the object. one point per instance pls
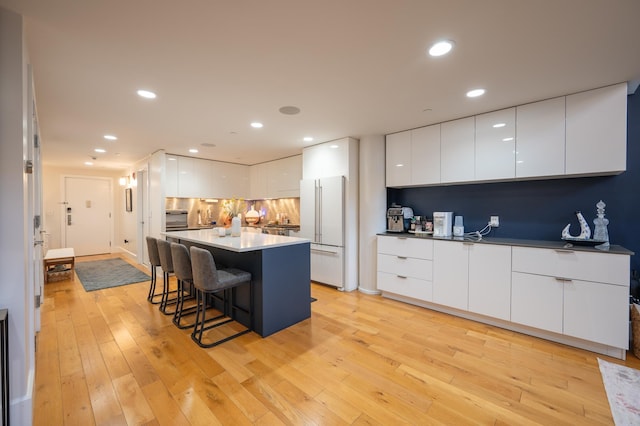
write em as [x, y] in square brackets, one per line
[176, 220]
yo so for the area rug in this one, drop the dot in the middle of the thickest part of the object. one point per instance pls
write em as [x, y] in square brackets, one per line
[623, 392]
[99, 274]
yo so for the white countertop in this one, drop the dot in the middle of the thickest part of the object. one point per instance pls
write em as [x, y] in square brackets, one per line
[247, 241]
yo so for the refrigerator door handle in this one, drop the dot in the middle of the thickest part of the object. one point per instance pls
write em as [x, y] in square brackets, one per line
[319, 215]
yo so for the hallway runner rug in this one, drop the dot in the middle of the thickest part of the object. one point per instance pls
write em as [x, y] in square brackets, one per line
[99, 274]
[622, 385]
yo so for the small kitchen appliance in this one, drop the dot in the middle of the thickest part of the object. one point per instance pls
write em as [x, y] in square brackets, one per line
[395, 219]
[442, 224]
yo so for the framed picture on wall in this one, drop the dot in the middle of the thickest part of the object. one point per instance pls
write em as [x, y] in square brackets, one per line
[128, 200]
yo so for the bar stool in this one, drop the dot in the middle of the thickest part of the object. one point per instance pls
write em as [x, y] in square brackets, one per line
[182, 269]
[154, 260]
[208, 280]
[166, 262]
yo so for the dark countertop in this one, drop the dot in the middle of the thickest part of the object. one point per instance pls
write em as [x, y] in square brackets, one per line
[555, 245]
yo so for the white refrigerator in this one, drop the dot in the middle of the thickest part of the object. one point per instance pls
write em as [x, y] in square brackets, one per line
[322, 222]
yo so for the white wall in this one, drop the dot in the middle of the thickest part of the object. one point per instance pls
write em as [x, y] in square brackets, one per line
[373, 204]
[16, 244]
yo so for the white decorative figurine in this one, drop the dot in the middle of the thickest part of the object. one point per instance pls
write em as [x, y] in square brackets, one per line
[601, 233]
[585, 231]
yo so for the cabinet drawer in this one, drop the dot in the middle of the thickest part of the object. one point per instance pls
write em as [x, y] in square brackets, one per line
[537, 301]
[410, 287]
[580, 265]
[406, 247]
[405, 266]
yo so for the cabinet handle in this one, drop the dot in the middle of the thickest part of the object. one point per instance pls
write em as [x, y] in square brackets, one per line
[564, 251]
[564, 280]
[402, 276]
[402, 257]
[467, 243]
[402, 238]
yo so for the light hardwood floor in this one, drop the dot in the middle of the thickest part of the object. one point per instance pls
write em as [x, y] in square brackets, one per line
[110, 358]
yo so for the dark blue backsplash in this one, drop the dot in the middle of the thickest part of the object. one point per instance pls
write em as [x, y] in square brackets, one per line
[541, 209]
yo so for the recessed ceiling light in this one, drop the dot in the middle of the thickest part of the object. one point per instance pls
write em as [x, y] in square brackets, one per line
[441, 48]
[334, 146]
[475, 93]
[110, 137]
[290, 110]
[256, 125]
[88, 163]
[193, 151]
[171, 158]
[399, 165]
[507, 139]
[308, 139]
[498, 125]
[100, 150]
[146, 94]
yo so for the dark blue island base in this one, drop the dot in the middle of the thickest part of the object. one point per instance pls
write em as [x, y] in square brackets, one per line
[281, 279]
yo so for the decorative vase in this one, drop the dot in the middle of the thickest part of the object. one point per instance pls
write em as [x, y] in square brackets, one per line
[235, 226]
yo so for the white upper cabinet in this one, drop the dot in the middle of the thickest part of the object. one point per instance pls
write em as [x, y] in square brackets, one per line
[495, 145]
[189, 178]
[540, 133]
[228, 180]
[597, 131]
[276, 179]
[425, 155]
[171, 176]
[198, 178]
[283, 177]
[258, 181]
[457, 150]
[398, 159]
[580, 134]
[328, 159]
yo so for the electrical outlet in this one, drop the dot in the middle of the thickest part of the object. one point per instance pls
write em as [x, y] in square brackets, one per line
[495, 221]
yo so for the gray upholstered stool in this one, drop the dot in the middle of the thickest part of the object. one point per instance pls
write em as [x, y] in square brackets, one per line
[182, 269]
[166, 262]
[207, 280]
[154, 260]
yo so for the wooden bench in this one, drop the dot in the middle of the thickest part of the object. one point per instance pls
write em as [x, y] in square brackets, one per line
[55, 257]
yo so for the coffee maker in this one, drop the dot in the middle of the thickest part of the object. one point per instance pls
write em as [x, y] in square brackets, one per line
[395, 219]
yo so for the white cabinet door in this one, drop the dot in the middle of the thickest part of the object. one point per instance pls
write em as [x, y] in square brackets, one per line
[188, 177]
[258, 181]
[597, 131]
[171, 176]
[451, 274]
[490, 280]
[283, 177]
[425, 155]
[228, 180]
[457, 150]
[326, 159]
[398, 159]
[495, 145]
[331, 210]
[540, 133]
[537, 301]
[597, 312]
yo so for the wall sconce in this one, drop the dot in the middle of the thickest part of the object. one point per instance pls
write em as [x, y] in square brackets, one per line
[123, 180]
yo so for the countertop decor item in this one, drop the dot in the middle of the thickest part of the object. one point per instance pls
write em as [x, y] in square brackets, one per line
[601, 232]
[585, 231]
[233, 207]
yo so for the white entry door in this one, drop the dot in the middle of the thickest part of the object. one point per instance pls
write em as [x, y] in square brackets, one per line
[87, 215]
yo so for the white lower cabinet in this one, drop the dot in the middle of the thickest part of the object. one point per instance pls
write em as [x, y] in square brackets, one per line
[578, 294]
[451, 274]
[563, 294]
[405, 267]
[473, 277]
[490, 280]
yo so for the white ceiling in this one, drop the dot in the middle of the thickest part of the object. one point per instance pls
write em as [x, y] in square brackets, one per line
[354, 68]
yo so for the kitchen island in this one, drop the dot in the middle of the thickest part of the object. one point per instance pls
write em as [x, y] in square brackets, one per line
[280, 270]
